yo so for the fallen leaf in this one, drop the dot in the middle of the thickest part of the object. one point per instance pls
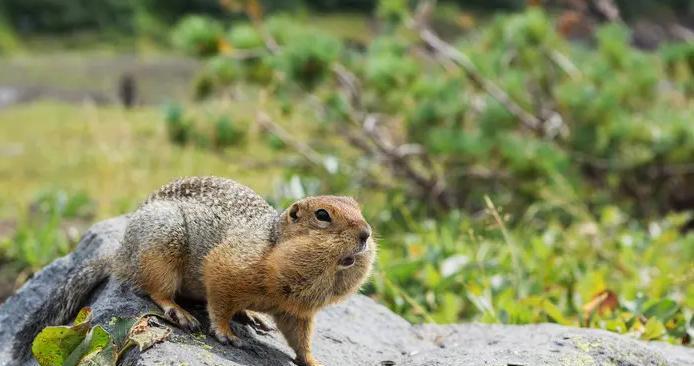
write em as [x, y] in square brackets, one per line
[83, 316]
[54, 345]
[148, 331]
[602, 302]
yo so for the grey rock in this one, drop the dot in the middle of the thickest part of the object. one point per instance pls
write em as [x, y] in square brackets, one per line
[357, 332]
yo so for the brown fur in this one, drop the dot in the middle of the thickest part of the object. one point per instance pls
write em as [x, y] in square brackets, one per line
[212, 238]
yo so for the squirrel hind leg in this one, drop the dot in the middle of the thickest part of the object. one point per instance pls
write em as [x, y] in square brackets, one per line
[160, 278]
[177, 314]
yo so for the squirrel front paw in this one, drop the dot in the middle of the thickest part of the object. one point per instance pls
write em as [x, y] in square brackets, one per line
[227, 336]
[307, 361]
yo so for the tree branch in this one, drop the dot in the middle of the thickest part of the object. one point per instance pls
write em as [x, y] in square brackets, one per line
[303, 149]
[444, 49]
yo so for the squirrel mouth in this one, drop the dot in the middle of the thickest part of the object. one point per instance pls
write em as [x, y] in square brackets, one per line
[349, 260]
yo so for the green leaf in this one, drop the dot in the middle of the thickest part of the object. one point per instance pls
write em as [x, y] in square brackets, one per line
[120, 327]
[53, 345]
[449, 309]
[103, 357]
[83, 316]
[96, 340]
[663, 310]
[654, 329]
[553, 312]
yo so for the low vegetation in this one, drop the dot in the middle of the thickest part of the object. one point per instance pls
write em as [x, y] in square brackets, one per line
[521, 178]
[511, 176]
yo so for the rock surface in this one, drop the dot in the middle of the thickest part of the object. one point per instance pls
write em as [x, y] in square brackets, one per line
[358, 332]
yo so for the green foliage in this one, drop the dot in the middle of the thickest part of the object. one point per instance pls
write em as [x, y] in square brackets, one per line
[224, 70]
[84, 344]
[244, 36]
[227, 133]
[146, 16]
[180, 129]
[208, 132]
[44, 232]
[679, 61]
[308, 57]
[8, 38]
[387, 67]
[274, 142]
[36, 16]
[585, 236]
[539, 272]
[197, 35]
[392, 11]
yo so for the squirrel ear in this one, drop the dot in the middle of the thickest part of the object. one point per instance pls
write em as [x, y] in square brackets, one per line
[294, 212]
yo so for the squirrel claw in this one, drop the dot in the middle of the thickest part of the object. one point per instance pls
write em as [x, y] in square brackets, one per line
[183, 318]
[256, 321]
[228, 339]
[307, 362]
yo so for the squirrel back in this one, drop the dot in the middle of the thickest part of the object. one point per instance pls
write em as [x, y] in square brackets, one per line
[187, 218]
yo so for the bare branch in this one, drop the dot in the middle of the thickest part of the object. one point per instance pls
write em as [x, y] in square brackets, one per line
[608, 9]
[433, 185]
[460, 59]
[370, 139]
[349, 82]
[306, 151]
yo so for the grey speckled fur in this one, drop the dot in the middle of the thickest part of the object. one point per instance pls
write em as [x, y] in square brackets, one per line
[193, 215]
[188, 215]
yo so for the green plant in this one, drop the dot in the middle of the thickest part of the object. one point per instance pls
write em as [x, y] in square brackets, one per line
[539, 272]
[579, 154]
[307, 59]
[179, 128]
[84, 344]
[197, 35]
[244, 36]
[227, 133]
[43, 233]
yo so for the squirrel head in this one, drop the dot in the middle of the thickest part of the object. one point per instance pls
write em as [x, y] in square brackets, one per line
[324, 251]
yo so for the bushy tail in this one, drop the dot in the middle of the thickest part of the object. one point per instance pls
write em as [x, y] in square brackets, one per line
[62, 303]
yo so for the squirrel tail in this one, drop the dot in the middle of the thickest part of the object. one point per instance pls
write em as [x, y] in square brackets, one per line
[62, 303]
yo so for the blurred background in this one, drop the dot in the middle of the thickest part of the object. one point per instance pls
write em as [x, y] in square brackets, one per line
[521, 161]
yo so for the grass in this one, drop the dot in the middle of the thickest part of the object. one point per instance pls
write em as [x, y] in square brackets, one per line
[115, 156]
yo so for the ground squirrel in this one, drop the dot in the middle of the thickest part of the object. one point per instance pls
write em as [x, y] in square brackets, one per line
[213, 239]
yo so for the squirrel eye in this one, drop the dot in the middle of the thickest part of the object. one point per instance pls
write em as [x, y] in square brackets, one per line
[322, 215]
